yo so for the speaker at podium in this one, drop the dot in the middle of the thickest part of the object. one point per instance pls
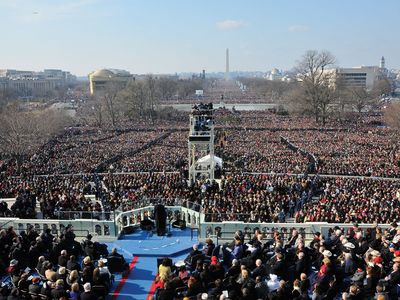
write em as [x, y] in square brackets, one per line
[160, 216]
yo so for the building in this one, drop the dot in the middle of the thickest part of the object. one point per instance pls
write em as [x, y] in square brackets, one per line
[363, 77]
[275, 74]
[101, 79]
[33, 84]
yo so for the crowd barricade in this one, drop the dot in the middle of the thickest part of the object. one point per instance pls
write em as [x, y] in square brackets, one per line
[110, 226]
[224, 231]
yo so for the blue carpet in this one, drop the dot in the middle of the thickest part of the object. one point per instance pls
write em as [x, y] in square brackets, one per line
[148, 248]
[142, 243]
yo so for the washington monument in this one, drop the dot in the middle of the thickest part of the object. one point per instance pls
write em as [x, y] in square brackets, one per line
[227, 65]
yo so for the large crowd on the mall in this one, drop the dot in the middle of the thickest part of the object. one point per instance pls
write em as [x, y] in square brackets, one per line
[275, 168]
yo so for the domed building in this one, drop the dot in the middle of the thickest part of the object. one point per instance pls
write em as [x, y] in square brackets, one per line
[101, 79]
[275, 74]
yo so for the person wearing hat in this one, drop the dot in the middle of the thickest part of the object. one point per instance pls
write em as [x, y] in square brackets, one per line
[214, 260]
[273, 283]
[34, 287]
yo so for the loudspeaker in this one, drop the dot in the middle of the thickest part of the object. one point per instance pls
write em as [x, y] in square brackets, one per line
[160, 216]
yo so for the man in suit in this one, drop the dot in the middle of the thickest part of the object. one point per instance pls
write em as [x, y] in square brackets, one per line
[88, 294]
[394, 278]
[259, 270]
[279, 267]
[234, 270]
[63, 258]
[193, 253]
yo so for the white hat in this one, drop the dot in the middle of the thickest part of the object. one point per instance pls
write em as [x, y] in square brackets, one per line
[273, 277]
[349, 245]
[13, 262]
[327, 253]
[179, 263]
[204, 296]
[273, 283]
[87, 287]
[375, 253]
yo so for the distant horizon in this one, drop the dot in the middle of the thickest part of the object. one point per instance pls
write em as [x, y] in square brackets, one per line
[162, 37]
[178, 72]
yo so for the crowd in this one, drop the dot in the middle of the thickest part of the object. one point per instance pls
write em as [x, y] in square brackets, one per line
[353, 264]
[362, 153]
[252, 142]
[168, 155]
[51, 194]
[346, 200]
[259, 151]
[256, 198]
[40, 265]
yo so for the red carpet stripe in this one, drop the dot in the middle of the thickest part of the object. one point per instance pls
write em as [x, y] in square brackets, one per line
[152, 289]
[124, 278]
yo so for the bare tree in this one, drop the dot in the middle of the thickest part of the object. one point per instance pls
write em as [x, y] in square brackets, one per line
[133, 97]
[166, 87]
[110, 98]
[92, 112]
[317, 82]
[23, 132]
[382, 87]
[392, 115]
[359, 98]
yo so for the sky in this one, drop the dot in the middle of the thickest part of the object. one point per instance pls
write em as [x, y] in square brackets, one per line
[168, 36]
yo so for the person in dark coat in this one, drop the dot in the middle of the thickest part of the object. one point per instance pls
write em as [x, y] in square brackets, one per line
[72, 264]
[14, 295]
[63, 259]
[259, 270]
[34, 287]
[88, 294]
[59, 291]
[167, 293]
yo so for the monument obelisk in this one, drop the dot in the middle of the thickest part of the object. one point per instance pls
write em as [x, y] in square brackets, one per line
[227, 65]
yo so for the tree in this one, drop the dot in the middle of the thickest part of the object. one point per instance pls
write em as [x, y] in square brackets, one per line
[317, 82]
[392, 115]
[109, 98]
[359, 98]
[133, 98]
[23, 132]
[152, 99]
[382, 87]
[166, 87]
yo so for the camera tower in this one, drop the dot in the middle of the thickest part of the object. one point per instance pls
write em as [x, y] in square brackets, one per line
[201, 143]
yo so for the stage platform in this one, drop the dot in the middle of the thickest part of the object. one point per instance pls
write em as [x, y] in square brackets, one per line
[144, 243]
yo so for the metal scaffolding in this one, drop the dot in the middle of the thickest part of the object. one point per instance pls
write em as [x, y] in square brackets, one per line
[201, 143]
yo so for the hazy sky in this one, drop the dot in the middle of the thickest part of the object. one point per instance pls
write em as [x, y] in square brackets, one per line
[167, 36]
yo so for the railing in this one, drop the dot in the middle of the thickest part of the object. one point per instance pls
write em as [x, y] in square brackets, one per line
[224, 230]
[134, 216]
[73, 215]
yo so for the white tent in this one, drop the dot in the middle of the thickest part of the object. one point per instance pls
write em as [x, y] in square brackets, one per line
[206, 160]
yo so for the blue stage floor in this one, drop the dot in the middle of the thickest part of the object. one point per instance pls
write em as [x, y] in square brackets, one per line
[147, 248]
